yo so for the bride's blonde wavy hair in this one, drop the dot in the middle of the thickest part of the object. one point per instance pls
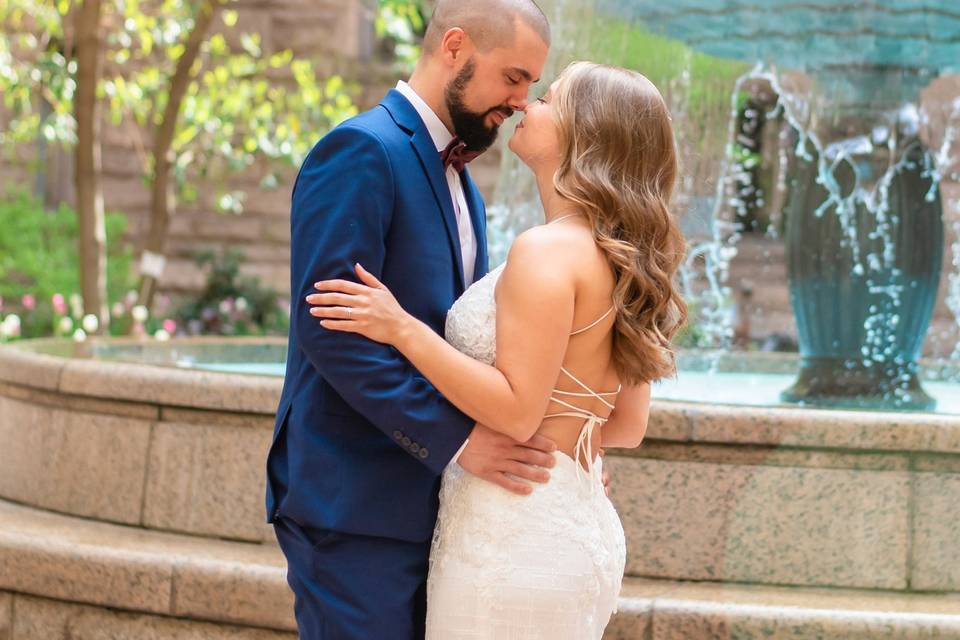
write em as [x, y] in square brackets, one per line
[619, 169]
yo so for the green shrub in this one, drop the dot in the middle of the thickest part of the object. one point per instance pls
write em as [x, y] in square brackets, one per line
[39, 258]
[231, 303]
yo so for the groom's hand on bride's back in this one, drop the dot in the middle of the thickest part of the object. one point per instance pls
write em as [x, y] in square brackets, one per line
[502, 460]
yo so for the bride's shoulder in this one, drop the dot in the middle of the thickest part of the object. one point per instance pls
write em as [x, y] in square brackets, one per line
[552, 245]
[542, 255]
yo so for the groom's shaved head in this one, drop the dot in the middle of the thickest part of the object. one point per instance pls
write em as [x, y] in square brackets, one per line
[489, 23]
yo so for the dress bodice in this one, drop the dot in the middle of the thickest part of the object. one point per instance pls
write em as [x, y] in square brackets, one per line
[472, 320]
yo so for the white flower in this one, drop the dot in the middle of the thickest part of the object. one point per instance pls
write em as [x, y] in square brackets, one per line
[10, 326]
[79, 335]
[162, 335]
[242, 304]
[66, 325]
[140, 313]
[91, 323]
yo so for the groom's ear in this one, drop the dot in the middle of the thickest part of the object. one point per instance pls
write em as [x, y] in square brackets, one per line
[454, 45]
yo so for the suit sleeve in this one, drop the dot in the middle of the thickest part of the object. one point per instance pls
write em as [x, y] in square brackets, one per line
[341, 210]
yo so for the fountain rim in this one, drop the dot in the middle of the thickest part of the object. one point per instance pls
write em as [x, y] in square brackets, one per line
[23, 367]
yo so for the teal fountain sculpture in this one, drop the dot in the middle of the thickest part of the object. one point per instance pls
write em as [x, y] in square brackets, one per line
[863, 221]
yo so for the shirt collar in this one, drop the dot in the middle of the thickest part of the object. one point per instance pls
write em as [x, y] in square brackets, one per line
[438, 131]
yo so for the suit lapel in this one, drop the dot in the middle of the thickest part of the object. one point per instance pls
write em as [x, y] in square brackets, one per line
[478, 216]
[407, 117]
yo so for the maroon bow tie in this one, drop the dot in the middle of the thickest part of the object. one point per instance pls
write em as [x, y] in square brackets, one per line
[456, 154]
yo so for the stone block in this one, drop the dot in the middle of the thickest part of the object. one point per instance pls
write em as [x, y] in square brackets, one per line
[732, 611]
[21, 460]
[240, 593]
[28, 369]
[668, 421]
[277, 230]
[270, 275]
[935, 558]
[125, 194]
[833, 429]
[207, 480]
[170, 386]
[76, 570]
[42, 619]
[274, 203]
[6, 616]
[773, 525]
[86, 464]
[225, 226]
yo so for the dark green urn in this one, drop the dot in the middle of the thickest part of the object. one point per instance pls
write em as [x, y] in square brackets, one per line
[863, 279]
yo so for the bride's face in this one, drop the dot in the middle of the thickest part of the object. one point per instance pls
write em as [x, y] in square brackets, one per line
[536, 139]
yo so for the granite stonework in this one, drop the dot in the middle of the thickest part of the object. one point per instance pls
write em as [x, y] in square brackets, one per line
[44, 619]
[64, 577]
[935, 560]
[208, 480]
[766, 524]
[87, 464]
[130, 568]
[6, 616]
[718, 611]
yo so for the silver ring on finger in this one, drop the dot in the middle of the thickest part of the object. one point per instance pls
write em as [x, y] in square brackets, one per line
[350, 313]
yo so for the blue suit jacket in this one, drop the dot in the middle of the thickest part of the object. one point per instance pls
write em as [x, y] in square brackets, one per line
[361, 437]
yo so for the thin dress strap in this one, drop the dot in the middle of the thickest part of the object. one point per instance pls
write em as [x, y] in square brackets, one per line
[595, 322]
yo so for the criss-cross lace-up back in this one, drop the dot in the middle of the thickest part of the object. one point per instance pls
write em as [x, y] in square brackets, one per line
[584, 445]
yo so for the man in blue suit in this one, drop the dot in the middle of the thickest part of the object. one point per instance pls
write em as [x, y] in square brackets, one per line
[361, 437]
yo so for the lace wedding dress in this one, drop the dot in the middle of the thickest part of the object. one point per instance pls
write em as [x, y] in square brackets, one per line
[547, 566]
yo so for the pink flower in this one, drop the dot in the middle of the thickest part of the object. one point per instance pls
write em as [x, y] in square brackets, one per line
[170, 326]
[59, 304]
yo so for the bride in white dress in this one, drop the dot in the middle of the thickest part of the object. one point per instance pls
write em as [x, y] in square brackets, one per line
[585, 302]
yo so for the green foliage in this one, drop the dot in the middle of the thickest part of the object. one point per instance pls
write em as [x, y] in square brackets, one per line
[231, 303]
[38, 258]
[234, 111]
[403, 23]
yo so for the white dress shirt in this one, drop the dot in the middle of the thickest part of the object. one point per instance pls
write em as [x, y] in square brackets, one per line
[441, 137]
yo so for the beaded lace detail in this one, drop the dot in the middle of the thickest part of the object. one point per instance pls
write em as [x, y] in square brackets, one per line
[508, 567]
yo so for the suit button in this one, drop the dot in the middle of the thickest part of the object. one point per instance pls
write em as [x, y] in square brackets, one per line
[406, 441]
[414, 447]
[397, 434]
[424, 453]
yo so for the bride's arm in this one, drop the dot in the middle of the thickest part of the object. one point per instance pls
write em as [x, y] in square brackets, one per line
[628, 421]
[535, 300]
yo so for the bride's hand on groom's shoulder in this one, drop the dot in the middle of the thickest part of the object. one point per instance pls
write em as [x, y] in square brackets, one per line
[502, 460]
[368, 308]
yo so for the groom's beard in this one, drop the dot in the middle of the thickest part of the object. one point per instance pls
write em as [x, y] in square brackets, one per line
[469, 126]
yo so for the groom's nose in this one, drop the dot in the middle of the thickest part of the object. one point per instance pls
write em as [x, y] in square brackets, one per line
[518, 103]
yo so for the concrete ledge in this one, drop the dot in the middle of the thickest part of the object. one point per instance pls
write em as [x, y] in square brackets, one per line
[661, 610]
[30, 369]
[36, 618]
[64, 578]
[82, 561]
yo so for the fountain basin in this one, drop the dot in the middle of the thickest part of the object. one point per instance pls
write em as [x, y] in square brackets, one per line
[752, 494]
